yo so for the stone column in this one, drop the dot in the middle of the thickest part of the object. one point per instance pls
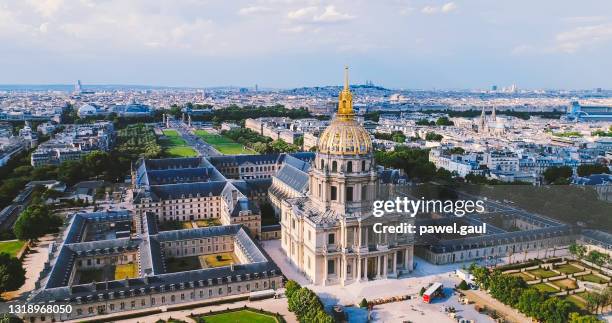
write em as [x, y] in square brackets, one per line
[406, 257]
[358, 261]
[385, 265]
[394, 262]
[325, 270]
[377, 267]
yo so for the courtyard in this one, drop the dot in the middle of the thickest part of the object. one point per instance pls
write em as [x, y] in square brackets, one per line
[174, 265]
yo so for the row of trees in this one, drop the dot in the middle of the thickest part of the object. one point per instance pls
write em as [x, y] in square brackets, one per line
[305, 304]
[238, 114]
[259, 143]
[602, 133]
[396, 136]
[513, 291]
[442, 121]
[598, 258]
[561, 175]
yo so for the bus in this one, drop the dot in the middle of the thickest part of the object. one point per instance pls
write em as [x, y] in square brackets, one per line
[435, 290]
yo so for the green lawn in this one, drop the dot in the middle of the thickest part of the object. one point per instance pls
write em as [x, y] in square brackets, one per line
[568, 269]
[592, 278]
[544, 288]
[577, 301]
[175, 146]
[11, 247]
[524, 276]
[174, 265]
[543, 273]
[91, 275]
[208, 223]
[565, 284]
[239, 316]
[223, 144]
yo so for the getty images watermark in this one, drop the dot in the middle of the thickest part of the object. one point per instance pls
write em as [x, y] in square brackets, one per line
[411, 207]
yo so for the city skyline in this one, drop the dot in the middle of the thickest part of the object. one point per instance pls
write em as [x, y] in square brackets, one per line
[395, 44]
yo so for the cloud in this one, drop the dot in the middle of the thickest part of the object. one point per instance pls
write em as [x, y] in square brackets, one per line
[314, 14]
[254, 10]
[332, 15]
[302, 13]
[429, 10]
[448, 7]
[445, 8]
[582, 37]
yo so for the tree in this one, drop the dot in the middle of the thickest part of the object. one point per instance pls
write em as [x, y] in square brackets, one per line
[422, 291]
[481, 276]
[463, 285]
[432, 136]
[35, 222]
[9, 318]
[577, 318]
[558, 175]
[555, 310]
[587, 170]
[598, 258]
[291, 287]
[425, 122]
[529, 302]
[444, 121]
[577, 250]
[12, 274]
[363, 303]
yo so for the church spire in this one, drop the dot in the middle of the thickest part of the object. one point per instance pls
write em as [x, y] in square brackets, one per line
[345, 99]
[346, 79]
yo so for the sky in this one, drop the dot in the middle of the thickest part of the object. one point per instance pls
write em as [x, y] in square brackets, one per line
[407, 44]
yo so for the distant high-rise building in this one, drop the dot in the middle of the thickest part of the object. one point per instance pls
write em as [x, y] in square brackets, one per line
[256, 87]
[494, 88]
[78, 88]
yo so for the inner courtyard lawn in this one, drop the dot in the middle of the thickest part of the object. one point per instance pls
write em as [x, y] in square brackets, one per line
[174, 265]
[208, 223]
[91, 275]
[175, 146]
[11, 247]
[223, 144]
[126, 271]
[220, 259]
[239, 316]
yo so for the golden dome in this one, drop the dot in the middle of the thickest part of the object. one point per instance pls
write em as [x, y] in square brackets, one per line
[344, 136]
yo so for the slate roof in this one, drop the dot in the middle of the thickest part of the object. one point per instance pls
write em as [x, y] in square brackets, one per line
[177, 191]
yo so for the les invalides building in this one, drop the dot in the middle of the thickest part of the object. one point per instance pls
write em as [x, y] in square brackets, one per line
[326, 207]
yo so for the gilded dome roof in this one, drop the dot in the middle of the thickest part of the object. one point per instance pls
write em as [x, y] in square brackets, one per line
[345, 136]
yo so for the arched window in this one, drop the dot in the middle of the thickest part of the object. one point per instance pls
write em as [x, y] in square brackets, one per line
[322, 163]
[349, 167]
[334, 166]
[363, 168]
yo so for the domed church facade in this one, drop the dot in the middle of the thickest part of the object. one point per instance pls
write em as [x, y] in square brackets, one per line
[326, 224]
